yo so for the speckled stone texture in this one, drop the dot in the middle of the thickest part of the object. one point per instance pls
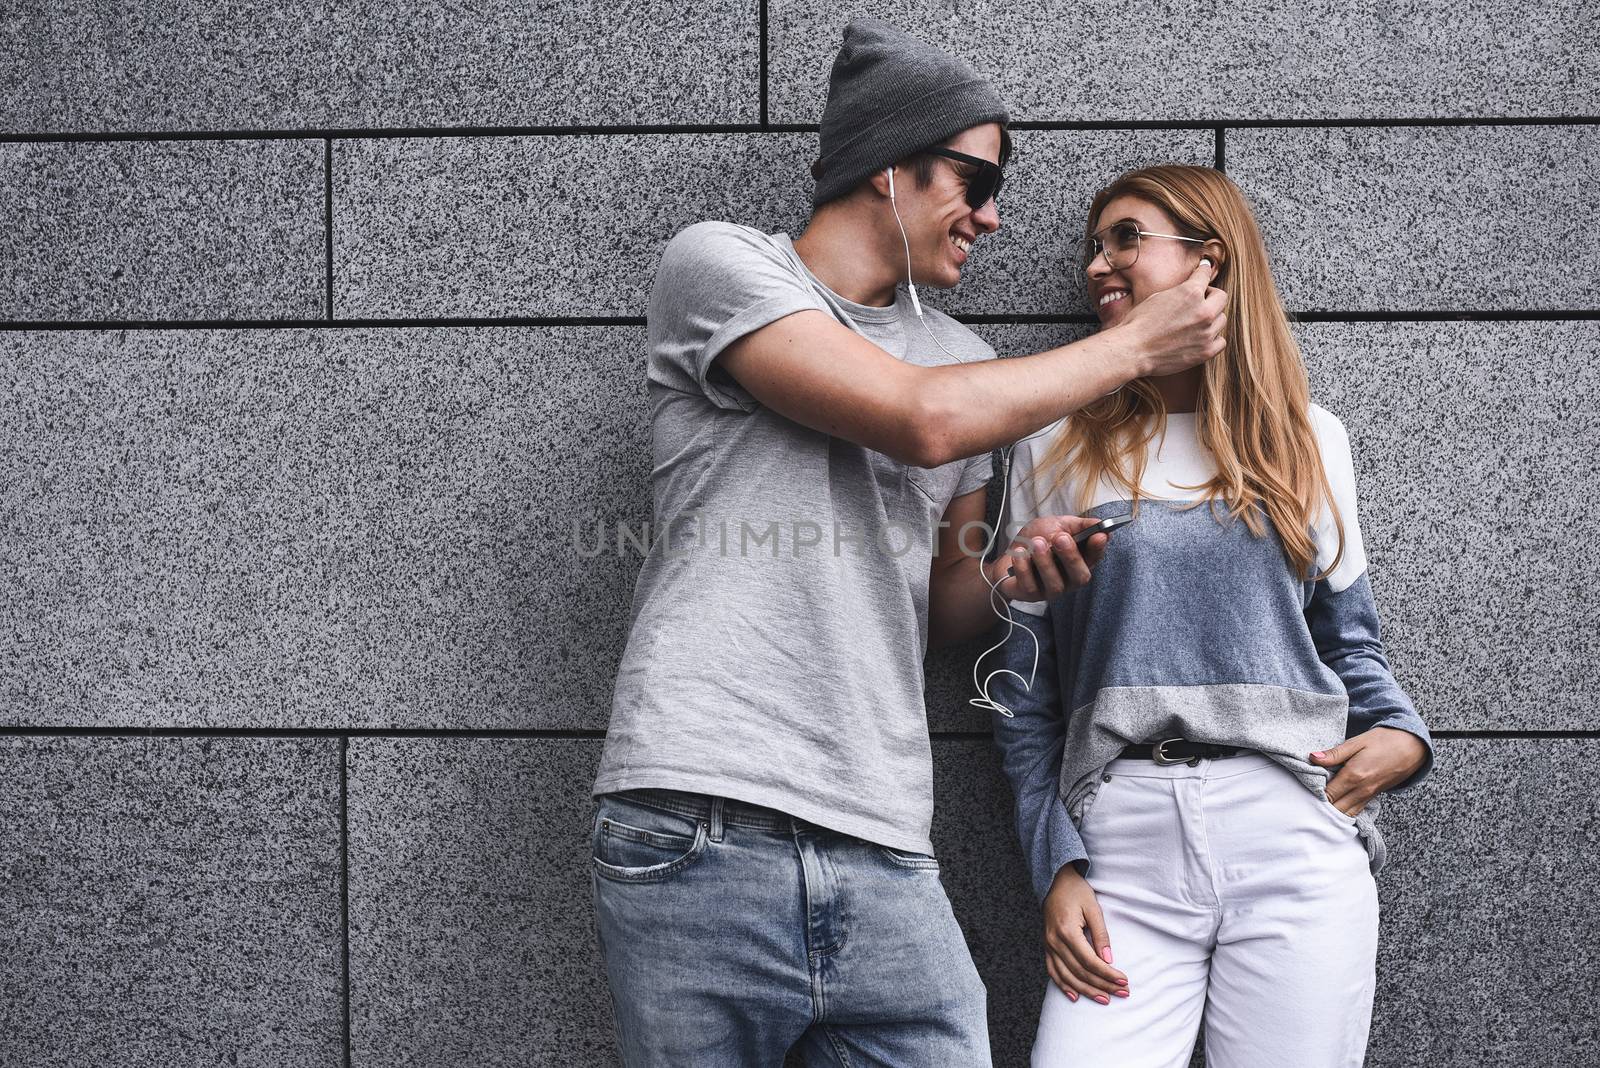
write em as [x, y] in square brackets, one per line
[77, 65]
[471, 917]
[1477, 218]
[1177, 60]
[170, 901]
[329, 528]
[950, 687]
[543, 225]
[1487, 952]
[1476, 450]
[132, 230]
[575, 226]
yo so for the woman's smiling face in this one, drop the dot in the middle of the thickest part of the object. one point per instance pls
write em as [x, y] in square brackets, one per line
[1161, 265]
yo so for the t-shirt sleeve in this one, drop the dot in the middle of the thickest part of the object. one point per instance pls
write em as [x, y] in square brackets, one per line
[975, 474]
[716, 283]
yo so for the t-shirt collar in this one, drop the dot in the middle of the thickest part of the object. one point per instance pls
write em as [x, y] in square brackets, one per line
[860, 312]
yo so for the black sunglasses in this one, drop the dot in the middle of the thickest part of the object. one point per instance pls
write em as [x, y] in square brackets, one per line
[983, 186]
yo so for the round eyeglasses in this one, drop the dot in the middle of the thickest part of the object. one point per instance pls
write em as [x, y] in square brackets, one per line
[1119, 242]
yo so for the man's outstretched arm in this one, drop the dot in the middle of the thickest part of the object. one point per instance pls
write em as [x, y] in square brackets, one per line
[812, 369]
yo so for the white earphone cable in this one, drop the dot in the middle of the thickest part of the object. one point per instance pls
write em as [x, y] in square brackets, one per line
[997, 601]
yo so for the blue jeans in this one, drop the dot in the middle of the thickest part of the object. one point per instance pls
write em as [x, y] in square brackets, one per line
[732, 933]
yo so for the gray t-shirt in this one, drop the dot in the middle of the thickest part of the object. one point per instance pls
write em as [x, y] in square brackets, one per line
[781, 615]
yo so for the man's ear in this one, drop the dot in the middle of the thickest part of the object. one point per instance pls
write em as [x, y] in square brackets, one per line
[879, 181]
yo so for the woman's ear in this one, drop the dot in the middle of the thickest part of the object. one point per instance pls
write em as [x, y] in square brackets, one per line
[1217, 253]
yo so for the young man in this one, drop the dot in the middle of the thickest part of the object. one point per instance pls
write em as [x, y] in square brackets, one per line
[762, 864]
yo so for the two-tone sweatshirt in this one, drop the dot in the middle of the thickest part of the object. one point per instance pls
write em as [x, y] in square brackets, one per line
[1191, 627]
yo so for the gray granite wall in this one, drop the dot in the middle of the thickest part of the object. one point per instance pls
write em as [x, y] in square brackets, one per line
[322, 322]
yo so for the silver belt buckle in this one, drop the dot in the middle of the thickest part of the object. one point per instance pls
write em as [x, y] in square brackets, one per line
[1160, 757]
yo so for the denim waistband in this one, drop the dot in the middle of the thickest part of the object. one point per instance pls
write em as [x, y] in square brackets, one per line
[706, 806]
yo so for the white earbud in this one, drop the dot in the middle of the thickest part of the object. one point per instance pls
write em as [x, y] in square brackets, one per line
[916, 305]
[1205, 261]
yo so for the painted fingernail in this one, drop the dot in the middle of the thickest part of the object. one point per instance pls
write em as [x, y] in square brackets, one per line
[1122, 994]
[1102, 999]
[1105, 954]
[1072, 995]
[1319, 756]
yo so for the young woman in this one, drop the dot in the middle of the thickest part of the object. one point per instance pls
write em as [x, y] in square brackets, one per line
[1210, 720]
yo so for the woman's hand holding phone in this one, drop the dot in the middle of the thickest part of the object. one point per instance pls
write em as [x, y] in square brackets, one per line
[1045, 559]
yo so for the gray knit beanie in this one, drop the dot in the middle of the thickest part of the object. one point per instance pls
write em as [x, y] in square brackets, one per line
[890, 95]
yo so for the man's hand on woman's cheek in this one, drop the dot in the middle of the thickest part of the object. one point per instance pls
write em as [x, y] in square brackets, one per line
[1043, 562]
[1181, 327]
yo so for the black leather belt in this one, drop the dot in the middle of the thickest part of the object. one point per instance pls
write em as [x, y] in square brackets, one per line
[1177, 751]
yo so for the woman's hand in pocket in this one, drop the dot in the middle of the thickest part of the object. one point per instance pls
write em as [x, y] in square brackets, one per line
[1369, 763]
[1077, 949]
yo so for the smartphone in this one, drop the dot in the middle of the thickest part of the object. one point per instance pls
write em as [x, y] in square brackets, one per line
[1105, 526]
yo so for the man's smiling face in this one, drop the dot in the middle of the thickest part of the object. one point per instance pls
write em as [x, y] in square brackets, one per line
[941, 226]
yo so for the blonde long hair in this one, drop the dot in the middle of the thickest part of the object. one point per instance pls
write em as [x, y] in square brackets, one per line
[1253, 411]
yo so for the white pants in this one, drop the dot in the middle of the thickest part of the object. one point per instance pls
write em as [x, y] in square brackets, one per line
[1227, 887]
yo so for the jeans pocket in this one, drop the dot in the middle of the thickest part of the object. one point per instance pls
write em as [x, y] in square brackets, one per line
[635, 843]
[913, 861]
[1323, 801]
[1091, 799]
[1345, 828]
